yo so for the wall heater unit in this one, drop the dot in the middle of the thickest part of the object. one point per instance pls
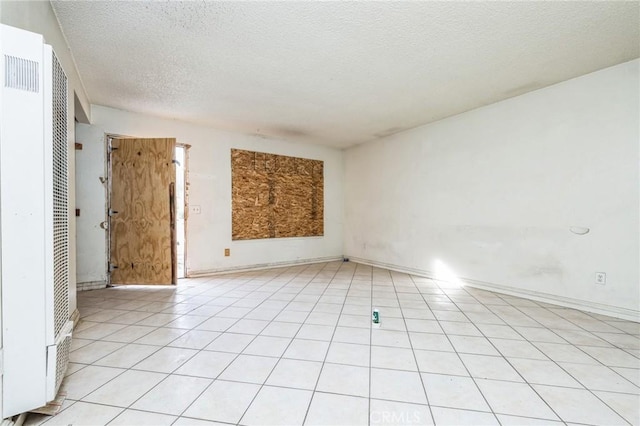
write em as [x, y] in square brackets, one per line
[34, 222]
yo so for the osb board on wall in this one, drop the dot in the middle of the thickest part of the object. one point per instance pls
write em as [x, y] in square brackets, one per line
[275, 196]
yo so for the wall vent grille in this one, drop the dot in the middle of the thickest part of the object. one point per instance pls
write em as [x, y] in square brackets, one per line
[21, 74]
[62, 359]
[60, 199]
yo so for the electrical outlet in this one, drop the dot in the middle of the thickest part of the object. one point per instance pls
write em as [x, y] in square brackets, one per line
[195, 210]
[227, 252]
[601, 278]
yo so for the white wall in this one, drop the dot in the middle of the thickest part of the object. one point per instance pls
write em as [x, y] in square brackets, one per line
[209, 233]
[492, 193]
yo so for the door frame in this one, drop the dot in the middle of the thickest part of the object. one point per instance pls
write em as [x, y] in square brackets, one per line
[185, 169]
[108, 137]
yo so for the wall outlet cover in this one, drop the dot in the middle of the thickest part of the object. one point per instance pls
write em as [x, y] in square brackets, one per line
[601, 278]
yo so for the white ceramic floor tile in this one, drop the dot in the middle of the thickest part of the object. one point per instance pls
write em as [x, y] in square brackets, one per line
[249, 368]
[598, 377]
[263, 314]
[129, 334]
[125, 389]
[233, 312]
[217, 324]
[449, 416]
[267, 346]
[564, 353]
[360, 336]
[161, 336]
[85, 414]
[612, 357]
[526, 421]
[394, 358]
[473, 345]
[295, 374]
[305, 303]
[330, 409]
[625, 405]
[453, 392]
[423, 326]
[490, 367]
[195, 339]
[410, 313]
[292, 316]
[440, 363]
[77, 343]
[278, 406]
[173, 395]
[90, 378]
[72, 368]
[460, 328]
[396, 385]
[206, 364]
[542, 372]
[499, 331]
[158, 320]
[578, 406]
[631, 374]
[186, 421]
[281, 329]
[99, 331]
[127, 356]
[311, 350]
[166, 360]
[398, 413]
[517, 349]
[90, 353]
[142, 418]
[516, 399]
[230, 342]
[315, 332]
[347, 353]
[391, 338]
[430, 341]
[359, 321]
[344, 379]
[248, 326]
[187, 321]
[223, 402]
[538, 334]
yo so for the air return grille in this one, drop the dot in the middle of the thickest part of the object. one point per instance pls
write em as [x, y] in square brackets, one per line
[62, 359]
[60, 199]
[21, 74]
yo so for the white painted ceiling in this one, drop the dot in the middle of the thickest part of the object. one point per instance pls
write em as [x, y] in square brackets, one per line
[335, 73]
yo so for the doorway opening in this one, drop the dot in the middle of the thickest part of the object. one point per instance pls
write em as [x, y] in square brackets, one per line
[147, 210]
[182, 185]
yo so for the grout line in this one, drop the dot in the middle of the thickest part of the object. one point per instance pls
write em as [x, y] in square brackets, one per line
[286, 284]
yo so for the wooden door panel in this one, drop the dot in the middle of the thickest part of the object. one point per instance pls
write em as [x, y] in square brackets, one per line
[142, 172]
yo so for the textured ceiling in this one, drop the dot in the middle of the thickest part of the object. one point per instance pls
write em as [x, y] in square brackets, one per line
[335, 73]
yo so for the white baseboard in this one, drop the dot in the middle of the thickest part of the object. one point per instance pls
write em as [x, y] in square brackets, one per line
[255, 267]
[598, 308]
[91, 285]
[75, 318]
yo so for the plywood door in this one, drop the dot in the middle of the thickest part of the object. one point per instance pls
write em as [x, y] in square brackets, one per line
[141, 237]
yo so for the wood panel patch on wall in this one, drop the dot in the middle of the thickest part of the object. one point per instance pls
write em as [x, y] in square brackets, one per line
[275, 196]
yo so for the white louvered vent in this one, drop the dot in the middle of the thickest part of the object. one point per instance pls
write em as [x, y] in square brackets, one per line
[62, 359]
[60, 199]
[21, 74]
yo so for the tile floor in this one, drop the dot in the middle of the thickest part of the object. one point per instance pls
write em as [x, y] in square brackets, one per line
[296, 346]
